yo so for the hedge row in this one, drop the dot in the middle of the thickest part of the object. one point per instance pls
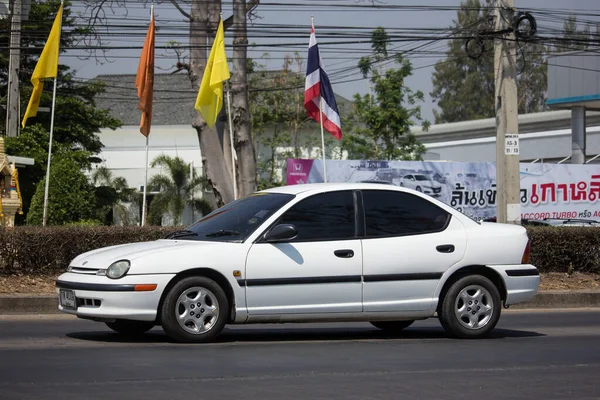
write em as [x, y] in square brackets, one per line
[556, 249]
[28, 250]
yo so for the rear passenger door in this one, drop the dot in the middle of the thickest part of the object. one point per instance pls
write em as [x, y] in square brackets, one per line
[409, 242]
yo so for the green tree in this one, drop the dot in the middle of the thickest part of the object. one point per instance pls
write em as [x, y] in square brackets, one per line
[176, 189]
[77, 120]
[380, 126]
[463, 87]
[573, 37]
[277, 116]
[70, 194]
[112, 195]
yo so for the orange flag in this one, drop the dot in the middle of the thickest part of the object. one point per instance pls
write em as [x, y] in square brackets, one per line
[144, 81]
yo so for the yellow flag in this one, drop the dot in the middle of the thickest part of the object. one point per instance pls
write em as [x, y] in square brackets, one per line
[47, 67]
[210, 95]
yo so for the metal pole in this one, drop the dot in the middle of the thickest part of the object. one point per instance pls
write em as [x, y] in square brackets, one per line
[143, 223]
[49, 157]
[47, 186]
[12, 102]
[322, 137]
[192, 190]
[578, 139]
[233, 156]
[507, 122]
[312, 24]
[145, 185]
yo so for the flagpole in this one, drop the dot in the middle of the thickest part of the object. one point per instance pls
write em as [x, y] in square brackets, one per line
[312, 22]
[146, 164]
[231, 136]
[233, 156]
[49, 156]
[145, 185]
[46, 188]
[322, 137]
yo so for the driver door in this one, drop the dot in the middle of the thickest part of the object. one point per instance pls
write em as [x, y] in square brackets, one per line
[319, 271]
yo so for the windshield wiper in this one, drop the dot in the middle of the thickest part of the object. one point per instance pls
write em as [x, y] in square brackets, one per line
[222, 232]
[181, 233]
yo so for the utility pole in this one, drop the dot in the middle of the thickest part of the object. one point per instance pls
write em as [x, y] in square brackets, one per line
[507, 123]
[12, 106]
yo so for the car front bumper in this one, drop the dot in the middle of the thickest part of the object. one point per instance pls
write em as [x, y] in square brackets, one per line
[132, 297]
[522, 282]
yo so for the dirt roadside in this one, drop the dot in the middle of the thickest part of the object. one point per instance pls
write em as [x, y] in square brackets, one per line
[549, 282]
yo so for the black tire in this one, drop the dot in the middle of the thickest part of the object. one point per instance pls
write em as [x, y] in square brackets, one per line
[392, 326]
[129, 327]
[419, 189]
[170, 308]
[456, 326]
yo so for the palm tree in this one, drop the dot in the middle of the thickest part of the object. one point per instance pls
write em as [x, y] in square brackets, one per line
[111, 193]
[175, 190]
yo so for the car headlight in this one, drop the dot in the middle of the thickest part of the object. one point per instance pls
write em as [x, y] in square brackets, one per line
[118, 269]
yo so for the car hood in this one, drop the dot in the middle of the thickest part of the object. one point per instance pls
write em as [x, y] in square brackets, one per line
[103, 257]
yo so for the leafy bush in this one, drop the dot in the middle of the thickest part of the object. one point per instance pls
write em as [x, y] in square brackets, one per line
[555, 249]
[27, 250]
[70, 197]
[36, 250]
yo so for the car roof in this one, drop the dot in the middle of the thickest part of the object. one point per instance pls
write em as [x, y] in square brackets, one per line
[324, 187]
[308, 189]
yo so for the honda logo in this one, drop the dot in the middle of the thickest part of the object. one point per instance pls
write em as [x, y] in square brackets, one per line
[298, 167]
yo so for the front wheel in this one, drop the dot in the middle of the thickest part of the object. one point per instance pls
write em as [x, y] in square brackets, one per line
[471, 307]
[195, 310]
[130, 328]
[392, 326]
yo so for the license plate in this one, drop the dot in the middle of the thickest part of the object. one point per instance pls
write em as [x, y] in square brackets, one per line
[68, 299]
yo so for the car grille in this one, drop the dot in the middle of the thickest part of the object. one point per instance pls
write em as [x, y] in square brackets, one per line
[94, 303]
[86, 271]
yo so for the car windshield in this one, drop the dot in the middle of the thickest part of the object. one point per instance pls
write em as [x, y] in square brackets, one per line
[237, 220]
[421, 178]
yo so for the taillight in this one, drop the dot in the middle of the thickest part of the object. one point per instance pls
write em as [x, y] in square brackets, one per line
[525, 259]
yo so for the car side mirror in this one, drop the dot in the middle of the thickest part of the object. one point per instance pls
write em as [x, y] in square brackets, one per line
[281, 233]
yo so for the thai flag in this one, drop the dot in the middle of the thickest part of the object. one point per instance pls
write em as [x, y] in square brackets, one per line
[317, 86]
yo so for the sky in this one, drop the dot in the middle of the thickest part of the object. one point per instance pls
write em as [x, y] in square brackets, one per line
[339, 59]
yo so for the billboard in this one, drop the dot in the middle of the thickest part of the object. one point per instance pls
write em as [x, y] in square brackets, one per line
[547, 190]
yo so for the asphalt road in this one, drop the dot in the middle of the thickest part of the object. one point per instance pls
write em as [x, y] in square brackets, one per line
[532, 355]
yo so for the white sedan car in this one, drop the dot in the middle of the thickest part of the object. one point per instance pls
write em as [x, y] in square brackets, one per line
[421, 183]
[309, 253]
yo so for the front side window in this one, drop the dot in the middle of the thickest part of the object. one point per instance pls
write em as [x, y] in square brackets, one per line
[391, 213]
[237, 220]
[325, 216]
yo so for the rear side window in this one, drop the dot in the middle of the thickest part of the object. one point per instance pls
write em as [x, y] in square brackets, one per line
[391, 213]
[325, 216]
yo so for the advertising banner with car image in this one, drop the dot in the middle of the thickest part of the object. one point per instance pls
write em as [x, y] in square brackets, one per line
[548, 191]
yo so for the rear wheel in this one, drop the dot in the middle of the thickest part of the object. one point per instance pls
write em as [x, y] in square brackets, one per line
[195, 310]
[392, 326]
[130, 328]
[471, 307]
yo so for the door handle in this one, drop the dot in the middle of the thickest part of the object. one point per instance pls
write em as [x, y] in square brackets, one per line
[445, 248]
[344, 253]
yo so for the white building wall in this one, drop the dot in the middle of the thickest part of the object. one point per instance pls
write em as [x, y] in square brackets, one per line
[549, 146]
[124, 153]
